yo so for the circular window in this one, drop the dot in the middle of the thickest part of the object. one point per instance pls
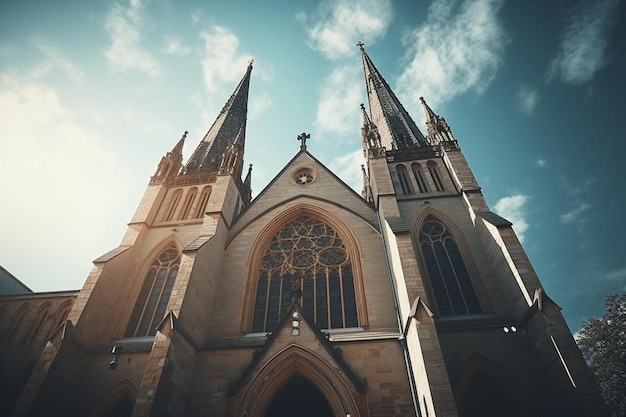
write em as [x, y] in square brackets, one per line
[303, 177]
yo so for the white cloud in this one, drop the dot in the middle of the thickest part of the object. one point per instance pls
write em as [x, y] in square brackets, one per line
[175, 47]
[458, 50]
[56, 60]
[60, 195]
[541, 162]
[340, 96]
[616, 275]
[513, 208]
[584, 42]
[579, 187]
[259, 104]
[221, 62]
[145, 121]
[575, 215]
[341, 24]
[347, 166]
[123, 25]
[527, 98]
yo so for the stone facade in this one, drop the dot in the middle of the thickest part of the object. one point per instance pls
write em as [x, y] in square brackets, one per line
[361, 319]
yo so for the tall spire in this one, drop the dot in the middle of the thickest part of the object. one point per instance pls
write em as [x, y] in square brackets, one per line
[397, 129]
[438, 129]
[229, 128]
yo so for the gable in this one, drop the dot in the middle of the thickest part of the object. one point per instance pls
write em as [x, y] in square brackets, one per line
[304, 177]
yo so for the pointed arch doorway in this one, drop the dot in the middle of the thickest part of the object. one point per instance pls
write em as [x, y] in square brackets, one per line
[299, 397]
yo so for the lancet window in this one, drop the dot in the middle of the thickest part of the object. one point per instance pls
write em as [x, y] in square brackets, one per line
[306, 261]
[204, 199]
[42, 314]
[436, 176]
[173, 205]
[191, 195]
[403, 176]
[449, 277]
[422, 185]
[154, 294]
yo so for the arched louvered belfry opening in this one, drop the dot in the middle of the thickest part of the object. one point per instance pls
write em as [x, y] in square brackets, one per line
[448, 274]
[306, 259]
[154, 294]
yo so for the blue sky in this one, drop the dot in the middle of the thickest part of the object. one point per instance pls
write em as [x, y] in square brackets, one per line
[92, 94]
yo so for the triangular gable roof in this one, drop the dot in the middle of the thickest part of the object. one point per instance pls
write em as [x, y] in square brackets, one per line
[293, 160]
[359, 206]
[9, 284]
[305, 324]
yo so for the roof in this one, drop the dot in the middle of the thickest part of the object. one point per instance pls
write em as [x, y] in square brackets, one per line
[397, 128]
[11, 285]
[229, 128]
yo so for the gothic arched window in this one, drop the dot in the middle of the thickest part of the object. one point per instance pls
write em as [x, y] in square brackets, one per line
[436, 176]
[42, 314]
[17, 323]
[191, 195]
[449, 277]
[419, 178]
[405, 183]
[204, 199]
[306, 260]
[155, 293]
[173, 205]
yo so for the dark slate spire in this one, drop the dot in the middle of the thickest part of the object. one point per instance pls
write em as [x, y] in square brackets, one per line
[397, 129]
[438, 129]
[229, 128]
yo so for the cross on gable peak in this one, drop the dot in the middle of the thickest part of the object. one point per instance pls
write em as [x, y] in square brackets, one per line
[302, 137]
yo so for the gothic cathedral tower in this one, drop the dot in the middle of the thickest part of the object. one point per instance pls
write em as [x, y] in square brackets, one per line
[478, 325]
[412, 299]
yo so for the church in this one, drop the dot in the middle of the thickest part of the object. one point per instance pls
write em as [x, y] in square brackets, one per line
[410, 299]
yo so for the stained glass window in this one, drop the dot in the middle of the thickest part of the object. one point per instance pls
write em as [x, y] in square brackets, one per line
[154, 295]
[306, 260]
[449, 277]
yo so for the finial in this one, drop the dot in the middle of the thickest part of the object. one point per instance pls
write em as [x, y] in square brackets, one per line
[185, 135]
[251, 61]
[360, 45]
[302, 137]
[362, 106]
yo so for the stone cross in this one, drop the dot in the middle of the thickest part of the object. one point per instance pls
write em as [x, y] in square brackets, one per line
[302, 137]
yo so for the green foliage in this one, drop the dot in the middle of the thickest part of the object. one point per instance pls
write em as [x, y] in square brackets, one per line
[603, 343]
